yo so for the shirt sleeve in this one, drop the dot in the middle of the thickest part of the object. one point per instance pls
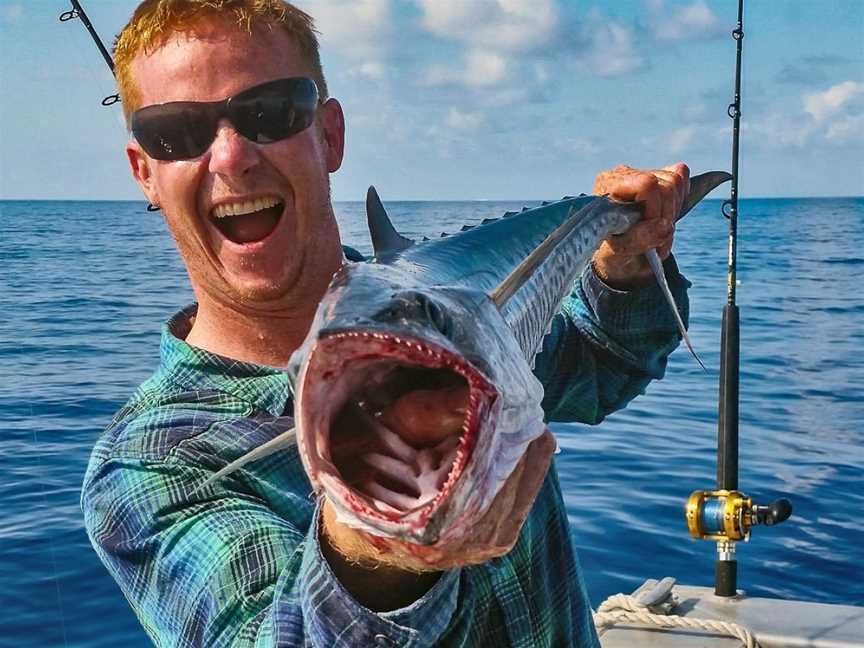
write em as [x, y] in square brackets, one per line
[606, 345]
[237, 563]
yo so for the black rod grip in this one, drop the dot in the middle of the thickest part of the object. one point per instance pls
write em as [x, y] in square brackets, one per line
[727, 432]
[725, 577]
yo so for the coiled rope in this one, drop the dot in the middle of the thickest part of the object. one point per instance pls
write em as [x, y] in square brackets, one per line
[621, 608]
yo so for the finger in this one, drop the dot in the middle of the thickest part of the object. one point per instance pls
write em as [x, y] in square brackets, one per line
[682, 182]
[627, 184]
[613, 182]
[652, 196]
[682, 171]
[668, 199]
[671, 194]
[640, 238]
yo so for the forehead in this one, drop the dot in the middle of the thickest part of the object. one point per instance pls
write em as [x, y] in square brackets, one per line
[216, 60]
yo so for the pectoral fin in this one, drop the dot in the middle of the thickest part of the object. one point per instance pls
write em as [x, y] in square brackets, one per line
[657, 269]
[285, 439]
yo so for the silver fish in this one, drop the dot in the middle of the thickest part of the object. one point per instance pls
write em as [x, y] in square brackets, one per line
[467, 311]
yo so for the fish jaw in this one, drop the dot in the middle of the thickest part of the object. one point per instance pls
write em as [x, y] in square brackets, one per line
[341, 363]
[376, 317]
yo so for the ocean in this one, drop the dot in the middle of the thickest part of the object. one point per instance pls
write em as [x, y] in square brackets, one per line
[85, 287]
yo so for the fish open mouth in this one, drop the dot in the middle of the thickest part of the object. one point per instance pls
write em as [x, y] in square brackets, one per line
[249, 221]
[390, 422]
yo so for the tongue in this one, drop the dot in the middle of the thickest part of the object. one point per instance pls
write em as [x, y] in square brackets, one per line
[247, 228]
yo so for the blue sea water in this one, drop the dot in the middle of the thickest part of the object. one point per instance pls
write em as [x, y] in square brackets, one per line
[85, 286]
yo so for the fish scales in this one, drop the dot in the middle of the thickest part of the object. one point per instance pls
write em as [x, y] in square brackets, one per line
[472, 306]
[484, 256]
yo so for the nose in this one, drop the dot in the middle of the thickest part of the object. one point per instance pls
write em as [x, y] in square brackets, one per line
[231, 154]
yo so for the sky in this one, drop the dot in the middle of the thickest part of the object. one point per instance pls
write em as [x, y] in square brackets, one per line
[490, 99]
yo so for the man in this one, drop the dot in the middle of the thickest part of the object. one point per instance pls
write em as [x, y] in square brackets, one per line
[246, 198]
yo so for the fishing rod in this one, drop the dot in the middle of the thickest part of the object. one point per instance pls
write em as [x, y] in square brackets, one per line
[725, 568]
[726, 515]
[77, 11]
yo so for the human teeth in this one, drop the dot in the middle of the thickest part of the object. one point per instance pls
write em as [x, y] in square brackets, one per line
[244, 207]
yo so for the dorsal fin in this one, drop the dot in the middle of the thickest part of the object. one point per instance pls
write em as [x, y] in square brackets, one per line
[385, 238]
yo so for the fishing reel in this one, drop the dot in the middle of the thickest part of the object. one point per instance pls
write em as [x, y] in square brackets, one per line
[727, 516]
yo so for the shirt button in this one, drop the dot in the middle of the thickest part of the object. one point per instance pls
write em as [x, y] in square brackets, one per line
[384, 641]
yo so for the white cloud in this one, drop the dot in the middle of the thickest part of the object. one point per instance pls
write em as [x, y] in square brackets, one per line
[370, 69]
[846, 128]
[679, 139]
[821, 105]
[506, 25]
[463, 120]
[830, 117]
[776, 130]
[580, 145]
[479, 69]
[612, 50]
[675, 142]
[510, 40]
[685, 22]
[359, 28]
[492, 31]
[541, 72]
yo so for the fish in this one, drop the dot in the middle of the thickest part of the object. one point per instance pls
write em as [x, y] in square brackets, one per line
[456, 323]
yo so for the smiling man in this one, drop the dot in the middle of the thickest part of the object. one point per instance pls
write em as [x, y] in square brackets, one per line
[234, 138]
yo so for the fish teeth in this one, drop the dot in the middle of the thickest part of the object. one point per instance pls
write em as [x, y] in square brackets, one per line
[244, 206]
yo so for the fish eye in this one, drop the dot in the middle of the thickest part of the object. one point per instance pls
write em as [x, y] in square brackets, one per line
[412, 305]
[437, 316]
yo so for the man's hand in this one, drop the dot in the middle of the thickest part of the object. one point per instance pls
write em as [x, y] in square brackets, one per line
[620, 262]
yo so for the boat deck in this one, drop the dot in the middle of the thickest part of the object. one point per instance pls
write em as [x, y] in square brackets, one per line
[776, 623]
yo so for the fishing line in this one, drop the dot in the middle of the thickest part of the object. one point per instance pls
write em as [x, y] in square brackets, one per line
[51, 550]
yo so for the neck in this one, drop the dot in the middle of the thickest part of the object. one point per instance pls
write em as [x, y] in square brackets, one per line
[266, 339]
[256, 336]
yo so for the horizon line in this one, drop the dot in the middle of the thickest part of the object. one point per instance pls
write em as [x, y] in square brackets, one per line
[448, 200]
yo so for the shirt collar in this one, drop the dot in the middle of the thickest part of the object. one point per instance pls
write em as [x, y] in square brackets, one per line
[265, 388]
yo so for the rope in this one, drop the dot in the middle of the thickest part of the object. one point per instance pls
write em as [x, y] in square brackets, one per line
[620, 608]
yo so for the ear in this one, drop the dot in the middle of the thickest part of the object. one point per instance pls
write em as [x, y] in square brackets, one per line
[333, 129]
[141, 171]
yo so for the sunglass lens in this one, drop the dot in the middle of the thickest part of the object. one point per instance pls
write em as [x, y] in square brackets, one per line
[275, 110]
[177, 131]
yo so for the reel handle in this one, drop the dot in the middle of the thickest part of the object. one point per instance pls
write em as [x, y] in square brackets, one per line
[774, 513]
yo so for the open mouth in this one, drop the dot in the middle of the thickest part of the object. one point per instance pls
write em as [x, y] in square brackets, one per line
[395, 421]
[247, 221]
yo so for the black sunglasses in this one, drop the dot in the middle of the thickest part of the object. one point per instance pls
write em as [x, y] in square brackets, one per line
[181, 130]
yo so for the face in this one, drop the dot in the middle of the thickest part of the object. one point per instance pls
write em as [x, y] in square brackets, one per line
[253, 222]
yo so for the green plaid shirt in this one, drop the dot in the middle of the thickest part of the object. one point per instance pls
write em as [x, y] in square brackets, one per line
[240, 564]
